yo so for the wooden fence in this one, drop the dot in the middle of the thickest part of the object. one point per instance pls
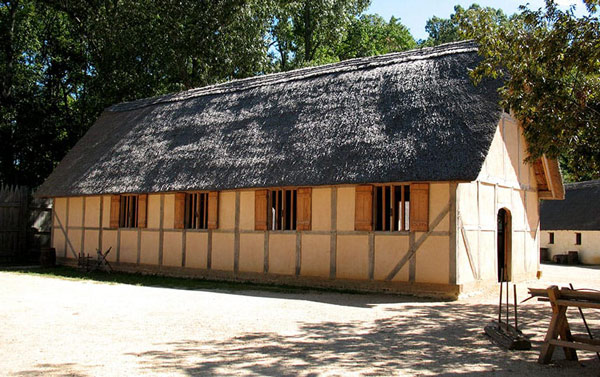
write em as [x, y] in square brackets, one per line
[24, 225]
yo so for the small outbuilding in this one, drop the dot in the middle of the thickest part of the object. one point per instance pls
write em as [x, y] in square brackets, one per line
[573, 224]
[388, 173]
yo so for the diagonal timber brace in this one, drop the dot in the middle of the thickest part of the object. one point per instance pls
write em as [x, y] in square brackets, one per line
[468, 248]
[413, 250]
[65, 233]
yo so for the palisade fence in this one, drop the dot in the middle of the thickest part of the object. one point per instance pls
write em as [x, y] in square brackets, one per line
[25, 225]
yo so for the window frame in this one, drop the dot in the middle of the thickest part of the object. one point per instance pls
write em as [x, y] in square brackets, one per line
[129, 211]
[199, 200]
[577, 238]
[550, 238]
[282, 214]
[394, 222]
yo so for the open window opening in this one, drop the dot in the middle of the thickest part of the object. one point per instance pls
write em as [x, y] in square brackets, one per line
[392, 208]
[282, 209]
[196, 210]
[128, 211]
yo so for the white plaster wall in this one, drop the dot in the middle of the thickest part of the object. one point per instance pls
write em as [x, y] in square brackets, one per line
[505, 181]
[564, 241]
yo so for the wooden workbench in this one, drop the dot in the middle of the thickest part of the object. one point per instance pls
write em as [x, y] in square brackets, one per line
[560, 300]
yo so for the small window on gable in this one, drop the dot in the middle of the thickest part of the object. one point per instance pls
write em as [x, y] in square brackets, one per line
[196, 210]
[551, 236]
[282, 209]
[391, 211]
[577, 238]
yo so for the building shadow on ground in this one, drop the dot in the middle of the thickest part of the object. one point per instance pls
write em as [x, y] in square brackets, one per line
[417, 339]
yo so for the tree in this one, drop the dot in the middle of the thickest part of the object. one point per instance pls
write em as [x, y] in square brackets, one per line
[371, 35]
[63, 61]
[307, 32]
[445, 30]
[40, 66]
[550, 61]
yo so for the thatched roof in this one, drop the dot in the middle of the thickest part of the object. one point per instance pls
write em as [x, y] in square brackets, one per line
[410, 116]
[579, 211]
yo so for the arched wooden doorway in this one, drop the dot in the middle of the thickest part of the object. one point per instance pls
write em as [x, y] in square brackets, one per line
[504, 245]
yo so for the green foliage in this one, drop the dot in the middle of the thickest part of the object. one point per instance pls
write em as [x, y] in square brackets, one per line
[445, 30]
[550, 60]
[370, 35]
[308, 32]
[40, 65]
[63, 61]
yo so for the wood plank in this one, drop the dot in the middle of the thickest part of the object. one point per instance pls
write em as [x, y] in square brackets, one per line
[553, 329]
[567, 293]
[363, 219]
[179, 213]
[575, 345]
[582, 339]
[304, 197]
[115, 205]
[213, 210]
[419, 207]
[142, 210]
[579, 304]
[260, 210]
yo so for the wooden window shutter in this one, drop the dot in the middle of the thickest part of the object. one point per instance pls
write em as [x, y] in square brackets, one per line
[213, 210]
[260, 210]
[179, 216]
[303, 209]
[115, 207]
[363, 217]
[419, 207]
[142, 210]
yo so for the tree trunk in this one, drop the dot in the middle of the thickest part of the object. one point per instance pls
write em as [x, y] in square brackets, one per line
[9, 51]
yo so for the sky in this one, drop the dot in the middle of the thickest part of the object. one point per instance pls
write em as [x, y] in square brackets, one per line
[415, 13]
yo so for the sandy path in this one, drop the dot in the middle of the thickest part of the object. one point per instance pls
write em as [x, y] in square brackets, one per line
[55, 327]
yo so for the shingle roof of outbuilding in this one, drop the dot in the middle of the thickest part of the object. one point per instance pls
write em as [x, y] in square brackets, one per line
[410, 116]
[579, 211]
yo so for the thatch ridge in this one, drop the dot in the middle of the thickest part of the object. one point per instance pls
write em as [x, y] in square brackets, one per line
[412, 116]
[578, 211]
[305, 73]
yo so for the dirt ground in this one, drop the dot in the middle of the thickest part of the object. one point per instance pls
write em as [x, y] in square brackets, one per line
[58, 327]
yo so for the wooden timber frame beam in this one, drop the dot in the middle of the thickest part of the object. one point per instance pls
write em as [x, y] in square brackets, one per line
[64, 231]
[413, 250]
[468, 248]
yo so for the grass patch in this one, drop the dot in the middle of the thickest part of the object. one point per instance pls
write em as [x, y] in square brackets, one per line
[147, 280]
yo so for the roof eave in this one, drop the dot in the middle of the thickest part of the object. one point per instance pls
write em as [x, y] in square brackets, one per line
[556, 188]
